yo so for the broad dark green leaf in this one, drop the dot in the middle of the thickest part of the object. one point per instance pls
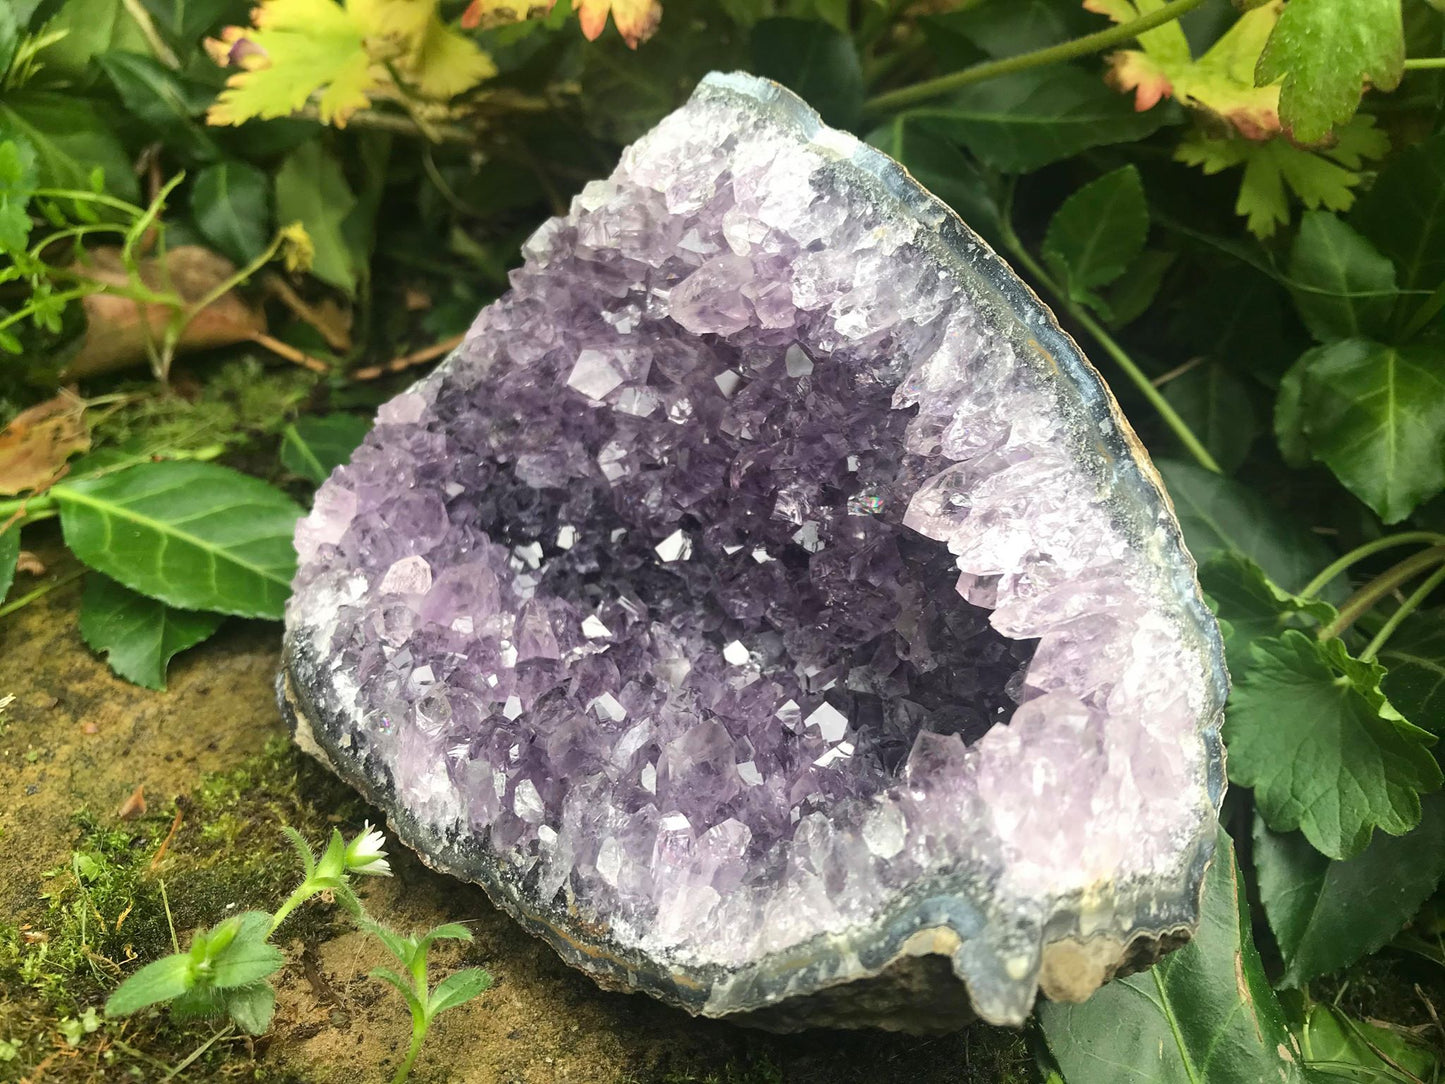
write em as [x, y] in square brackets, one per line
[1220, 515]
[816, 61]
[1020, 122]
[1327, 52]
[1403, 213]
[231, 203]
[1325, 913]
[1358, 282]
[194, 535]
[155, 95]
[138, 635]
[1375, 415]
[251, 1007]
[90, 27]
[945, 171]
[1415, 655]
[313, 447]
[1203, 1015]
[1000, 30]
[1310, 730]
[312, 190]
[71, 138]
[161, 980]
[184, 21]
[1254, 606]
[457, 989]
[9, 556]
[1218, 406]
[1097, 233]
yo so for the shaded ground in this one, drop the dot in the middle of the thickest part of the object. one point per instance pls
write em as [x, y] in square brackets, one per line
[74, 745]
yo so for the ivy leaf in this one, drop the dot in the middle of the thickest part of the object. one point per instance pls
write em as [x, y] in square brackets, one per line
[196, 536]
[138, 635]
[1276, 167]
[816, 61]
[1309, 728]
[1330, 256]
[1326, 914]
[1255, 606]
[1218, 406]
[231, 203]
[1375, 414]
[312, 190]
[1327, 52]
[313, 447]
[1403, 213]
[944, 170]
[1020, 122]
[1097, 233]
[1219, 515]
[1415, 655]
[1203, 1013]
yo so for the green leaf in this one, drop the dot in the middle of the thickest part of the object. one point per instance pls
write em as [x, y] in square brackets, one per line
[138, 635]
[9, 558]
[248, 956]
[194, 535]
[71, 138]
[403, 948]
[1403, 213]
[9, 37]
[1218, 407]
[1310, 730]
[1002, 30]
[302, 849]
[1326, 914]
[251, 1007]
[457, 989]
[18, 177]
[1346, 1049]
[231, 203]
[1254, 606]
[1415, 655]
[312, 190]
[89, 28]
[447, 931]
[1375, 415]
[1205, 1013]
[1219, 515]
[945, 171]
[816, 61]
[162, 980]
[1327, 52]
[1020, 122]
[313, 447]
[1098, 232]
[1330, 256]
[157, 97]
[386, 974]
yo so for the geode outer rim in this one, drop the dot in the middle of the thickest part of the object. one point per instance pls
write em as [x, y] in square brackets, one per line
[1068, 962]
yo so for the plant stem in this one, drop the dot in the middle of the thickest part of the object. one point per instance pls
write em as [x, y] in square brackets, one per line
[1409, 606]
[1068, 50]
[1424, 63]
[31, 506]
[1156, 398]
[418, 1035]
[303, 892]
[40, 592]
[1363, 600]
[89, 197]
[1359, 553]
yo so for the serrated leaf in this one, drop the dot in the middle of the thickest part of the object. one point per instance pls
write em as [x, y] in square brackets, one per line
[457, 989]
[161, 980]
[251, 1007]
[18, 177]
[1098, 232]
[138, 635]
[1403, 213]
[311, 189]
[1327, 52]
[159, 98]
[1345, 287]
[1310, 730]
[71, 138]
[1218, 407]
[966, 36]
[1375, 415]
[1205, 1013]
[945, 171]
[1415, 655]
[1020, 122]
[1325, 913]
[194, 535]
[231, 203]
[1254, 606]
[1220, 515]
[9, 557]
[814, 60]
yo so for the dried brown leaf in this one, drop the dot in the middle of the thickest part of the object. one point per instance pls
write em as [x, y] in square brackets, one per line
[35, 446]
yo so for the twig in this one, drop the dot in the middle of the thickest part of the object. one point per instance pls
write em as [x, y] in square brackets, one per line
[289, 352]
[161, 851]
[282, 291]
[1178, 371]
[406, 361]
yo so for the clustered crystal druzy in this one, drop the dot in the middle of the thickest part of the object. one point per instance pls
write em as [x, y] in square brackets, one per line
[741, 571]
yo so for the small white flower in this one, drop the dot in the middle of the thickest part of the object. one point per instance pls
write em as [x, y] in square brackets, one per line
[364, 854]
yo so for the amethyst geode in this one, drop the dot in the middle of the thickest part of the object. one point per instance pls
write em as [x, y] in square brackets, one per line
[768, 605]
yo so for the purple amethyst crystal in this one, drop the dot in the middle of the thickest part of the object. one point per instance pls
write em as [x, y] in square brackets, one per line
[768, 605]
